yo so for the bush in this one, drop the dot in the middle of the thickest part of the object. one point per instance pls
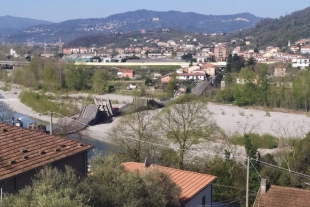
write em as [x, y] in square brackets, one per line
[265, 141]
[41, 103]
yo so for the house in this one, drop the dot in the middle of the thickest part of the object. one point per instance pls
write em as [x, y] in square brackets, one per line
[191, 76]
[123, 73]
[279, 196]
[192, 68]
[279, 72]
[196, 188]
[165, 79]
[300, 63]
[210, 69]
[24, 151]
[294, 48]
[305, 49]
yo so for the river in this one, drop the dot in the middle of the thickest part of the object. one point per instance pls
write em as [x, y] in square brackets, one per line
[100, 146]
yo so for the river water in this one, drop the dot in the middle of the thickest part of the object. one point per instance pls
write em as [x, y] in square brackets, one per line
[100, 146]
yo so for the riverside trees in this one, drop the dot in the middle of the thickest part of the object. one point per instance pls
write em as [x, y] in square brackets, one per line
[260, 88]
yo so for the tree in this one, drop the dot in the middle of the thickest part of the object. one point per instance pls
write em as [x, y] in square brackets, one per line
[171, 86]
[237, 63]
[110, 185]
[251, 62]
[252, 153]
[186, 122]
[76, 78]
[229, 63]
[263, 83]
[133, 133]
[187, 56]
[100, 81]
[50, 187]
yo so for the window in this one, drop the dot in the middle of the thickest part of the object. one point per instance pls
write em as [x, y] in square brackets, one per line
[203, 200]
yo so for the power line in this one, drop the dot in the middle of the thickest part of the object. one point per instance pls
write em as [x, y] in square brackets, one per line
[255, 169]
[231, 200]
[196, 150]
[283, 169]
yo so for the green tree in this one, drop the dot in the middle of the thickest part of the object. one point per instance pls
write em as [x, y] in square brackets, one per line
[172, 85]
[229, 63]
[100, 81]
[110, 185]
[76, 78]
[263, 83]
[251, 63]
[186, 122]
[51, 187]
[237, 63]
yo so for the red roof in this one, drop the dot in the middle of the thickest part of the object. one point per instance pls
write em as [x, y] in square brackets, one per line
[125, 70]
[278, 196]
[23, 149]
[190, 183]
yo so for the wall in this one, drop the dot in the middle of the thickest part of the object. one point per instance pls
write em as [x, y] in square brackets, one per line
[77, 162]
[197, 200]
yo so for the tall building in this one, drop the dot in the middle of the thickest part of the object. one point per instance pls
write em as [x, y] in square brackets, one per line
[220, 53]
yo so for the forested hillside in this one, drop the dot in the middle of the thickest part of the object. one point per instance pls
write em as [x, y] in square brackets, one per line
[277, 32]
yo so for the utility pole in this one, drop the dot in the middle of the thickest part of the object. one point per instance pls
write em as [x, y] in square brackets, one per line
[247, 182]
[51, 122]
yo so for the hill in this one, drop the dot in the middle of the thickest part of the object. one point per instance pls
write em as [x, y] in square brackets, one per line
[277, 32]
[17, 23]
[135, 21]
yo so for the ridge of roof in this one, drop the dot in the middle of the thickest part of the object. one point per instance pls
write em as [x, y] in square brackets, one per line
[191, 183]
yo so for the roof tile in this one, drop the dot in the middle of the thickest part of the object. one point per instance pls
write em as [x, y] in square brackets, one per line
[190, 183]
[278, 196]
[20, 149]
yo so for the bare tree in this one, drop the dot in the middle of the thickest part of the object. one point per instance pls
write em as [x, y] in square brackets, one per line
[248, 125]
[186, 123]
[135, 134]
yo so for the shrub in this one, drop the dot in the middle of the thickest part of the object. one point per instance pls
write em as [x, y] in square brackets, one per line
[265, 141]
[41, 103]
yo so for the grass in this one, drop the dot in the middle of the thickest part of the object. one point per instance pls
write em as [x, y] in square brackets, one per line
[267, 114]
[41, 103]
[265, 141]
[241, 113]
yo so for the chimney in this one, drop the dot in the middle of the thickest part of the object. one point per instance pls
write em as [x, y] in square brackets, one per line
[263, 186]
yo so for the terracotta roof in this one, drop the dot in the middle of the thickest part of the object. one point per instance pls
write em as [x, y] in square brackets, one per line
[125, 70]
[23, 149]
[278, 196]
[209, 65]
[190, 183]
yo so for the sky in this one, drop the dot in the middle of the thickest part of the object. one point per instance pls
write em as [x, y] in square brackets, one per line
[61, 10]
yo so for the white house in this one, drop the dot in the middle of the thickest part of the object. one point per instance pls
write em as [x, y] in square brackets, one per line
[191, 76]
[196, 187]
[305, 50]
[300, 63]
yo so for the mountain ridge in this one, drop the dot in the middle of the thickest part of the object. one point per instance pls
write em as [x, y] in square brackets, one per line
[133, 21]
